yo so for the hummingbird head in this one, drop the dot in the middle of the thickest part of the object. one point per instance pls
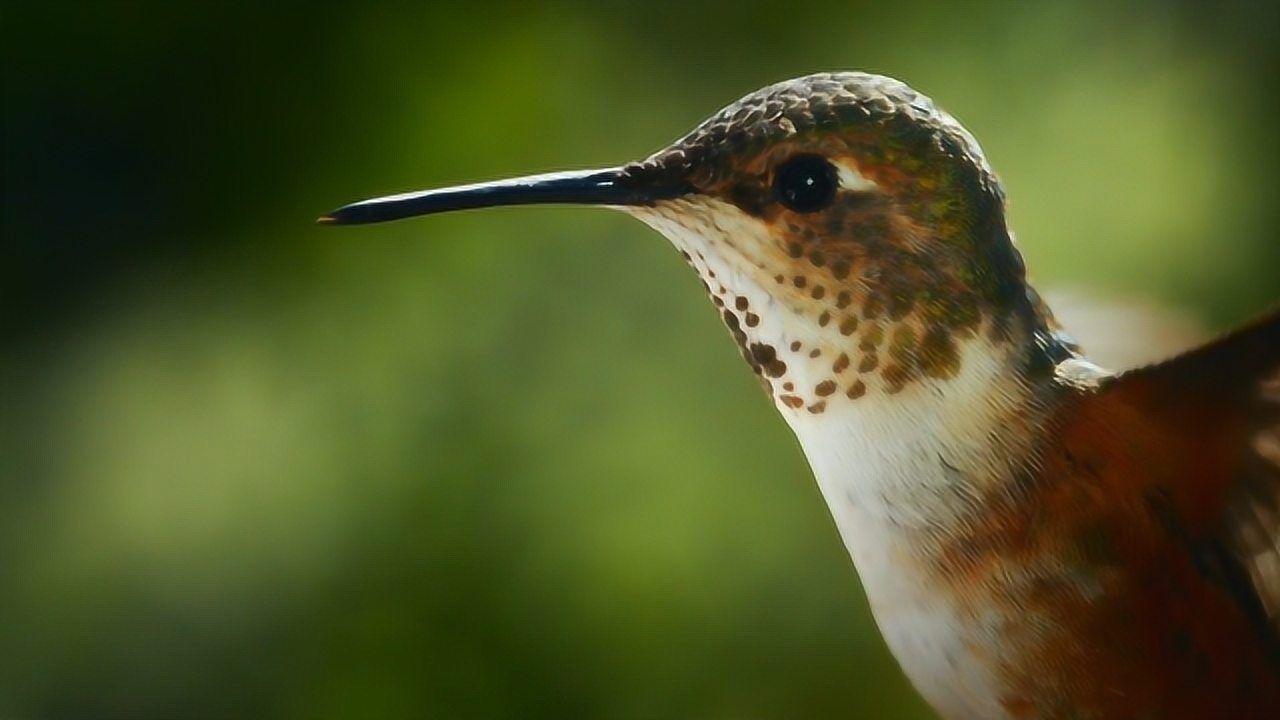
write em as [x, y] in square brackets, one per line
[851, 234]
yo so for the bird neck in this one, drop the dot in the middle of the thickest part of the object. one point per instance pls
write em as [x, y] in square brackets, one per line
[921, 457]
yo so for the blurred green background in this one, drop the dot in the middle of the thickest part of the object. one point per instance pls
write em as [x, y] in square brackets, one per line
[501, 464]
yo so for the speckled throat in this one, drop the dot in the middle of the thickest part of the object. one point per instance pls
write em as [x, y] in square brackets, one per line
[818, 331]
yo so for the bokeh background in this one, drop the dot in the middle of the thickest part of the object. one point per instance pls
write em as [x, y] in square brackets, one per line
[501, 464]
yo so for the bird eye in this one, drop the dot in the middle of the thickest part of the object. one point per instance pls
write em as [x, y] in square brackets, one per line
[805, 183]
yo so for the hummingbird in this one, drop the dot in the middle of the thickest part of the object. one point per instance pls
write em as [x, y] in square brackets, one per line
[1038, 537]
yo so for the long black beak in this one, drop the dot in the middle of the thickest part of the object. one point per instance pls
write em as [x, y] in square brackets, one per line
[584, 187]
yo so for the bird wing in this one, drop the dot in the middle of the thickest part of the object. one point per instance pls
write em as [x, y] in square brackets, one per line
[1222, 401]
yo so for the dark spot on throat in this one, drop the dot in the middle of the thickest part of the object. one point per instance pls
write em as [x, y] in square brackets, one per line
[766, 357]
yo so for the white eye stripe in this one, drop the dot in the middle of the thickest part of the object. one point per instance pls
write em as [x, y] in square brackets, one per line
[851, 179]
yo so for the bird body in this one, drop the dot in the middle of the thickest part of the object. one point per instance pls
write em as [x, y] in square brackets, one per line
[1038, 537]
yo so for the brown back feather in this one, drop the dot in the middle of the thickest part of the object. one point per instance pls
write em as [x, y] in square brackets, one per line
[1223, 400]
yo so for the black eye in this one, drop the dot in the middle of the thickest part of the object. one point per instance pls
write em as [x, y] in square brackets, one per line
[805, 183]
